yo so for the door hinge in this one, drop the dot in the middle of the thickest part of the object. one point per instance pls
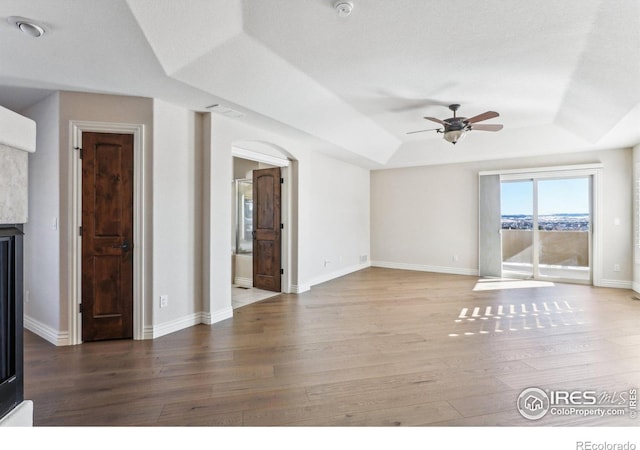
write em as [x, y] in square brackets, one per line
[80, 308]
[80, 231]
[282, 226]
[79, 151]
[281, 271]
[281, 180]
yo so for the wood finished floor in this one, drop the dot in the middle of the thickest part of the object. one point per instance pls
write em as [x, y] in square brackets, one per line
[369, 349]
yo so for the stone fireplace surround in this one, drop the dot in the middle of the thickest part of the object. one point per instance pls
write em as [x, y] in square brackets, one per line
[17, 140]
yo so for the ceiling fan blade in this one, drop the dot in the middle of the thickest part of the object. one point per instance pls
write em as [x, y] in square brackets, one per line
[483, 116]
[433, 119]
[487, 127]
[422, 131]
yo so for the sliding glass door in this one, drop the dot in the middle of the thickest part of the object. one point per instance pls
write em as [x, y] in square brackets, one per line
[564, 228]
[546, 228]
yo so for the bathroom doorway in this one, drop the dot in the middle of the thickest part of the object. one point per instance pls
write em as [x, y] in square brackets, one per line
[247, 287]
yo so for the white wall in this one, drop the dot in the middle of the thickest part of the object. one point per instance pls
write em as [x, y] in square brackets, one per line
[217, 220]
[426, 218]
[340, 218]
[177, 218]
[42, 234]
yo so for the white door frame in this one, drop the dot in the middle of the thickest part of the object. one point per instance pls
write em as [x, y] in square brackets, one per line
[76, 128]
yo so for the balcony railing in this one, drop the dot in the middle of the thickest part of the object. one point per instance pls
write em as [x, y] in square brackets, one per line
[563, 254]
[557, 248]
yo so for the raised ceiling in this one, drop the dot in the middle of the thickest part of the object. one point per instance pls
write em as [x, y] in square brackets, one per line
[564, 76]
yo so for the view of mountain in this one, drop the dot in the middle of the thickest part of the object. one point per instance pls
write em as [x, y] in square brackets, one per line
[555, 222]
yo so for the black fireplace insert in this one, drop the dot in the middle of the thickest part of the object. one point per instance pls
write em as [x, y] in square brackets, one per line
[11, 321]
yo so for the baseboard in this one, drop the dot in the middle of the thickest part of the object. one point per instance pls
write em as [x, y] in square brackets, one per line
[616, 284]
[635, 286]
[217, 316]
[150, 332]
[243, 282]
[176, 325]
[425, 268]
[338, 273]
[47, 333]
[147, 333]
[300, 288]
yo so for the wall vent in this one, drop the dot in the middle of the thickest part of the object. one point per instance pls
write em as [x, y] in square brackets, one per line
[225, 111]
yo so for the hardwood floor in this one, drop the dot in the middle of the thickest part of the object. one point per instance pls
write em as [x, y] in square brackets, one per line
[379, 347]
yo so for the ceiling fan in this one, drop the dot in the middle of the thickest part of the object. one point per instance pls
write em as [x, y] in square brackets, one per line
[455, 128]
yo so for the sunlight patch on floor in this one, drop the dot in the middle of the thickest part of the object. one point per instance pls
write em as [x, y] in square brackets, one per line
[496, 319]
[493, 284]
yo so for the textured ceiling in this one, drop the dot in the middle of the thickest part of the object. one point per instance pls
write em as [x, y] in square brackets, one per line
[564, 76]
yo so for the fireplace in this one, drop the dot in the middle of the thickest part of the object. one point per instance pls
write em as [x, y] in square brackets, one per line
[11, 338]
[17, 141]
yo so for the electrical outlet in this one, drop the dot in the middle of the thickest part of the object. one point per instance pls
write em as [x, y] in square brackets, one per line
[164, 301]
[455, 258]
[27, 296]
[616, 267]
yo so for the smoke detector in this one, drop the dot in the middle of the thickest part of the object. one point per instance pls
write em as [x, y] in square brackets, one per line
[343, 8]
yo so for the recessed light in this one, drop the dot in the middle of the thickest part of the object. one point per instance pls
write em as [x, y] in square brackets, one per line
[27, 26]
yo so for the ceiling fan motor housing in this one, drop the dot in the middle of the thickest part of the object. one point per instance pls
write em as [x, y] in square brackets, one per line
[455, 123]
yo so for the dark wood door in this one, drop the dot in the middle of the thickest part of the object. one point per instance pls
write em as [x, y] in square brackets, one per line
[107, 236]
[266, 226]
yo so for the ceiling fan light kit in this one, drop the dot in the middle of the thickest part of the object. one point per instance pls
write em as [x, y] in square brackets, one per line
[455, 128]
[454, 136]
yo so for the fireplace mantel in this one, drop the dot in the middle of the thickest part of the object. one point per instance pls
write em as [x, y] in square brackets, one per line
[17, 140]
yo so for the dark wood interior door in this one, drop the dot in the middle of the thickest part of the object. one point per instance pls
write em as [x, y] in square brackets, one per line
[107, 236]
[266, 229]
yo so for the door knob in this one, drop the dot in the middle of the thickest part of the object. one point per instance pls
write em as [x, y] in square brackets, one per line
[124, 246]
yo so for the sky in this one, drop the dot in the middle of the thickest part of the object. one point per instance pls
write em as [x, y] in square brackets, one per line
[564, 196]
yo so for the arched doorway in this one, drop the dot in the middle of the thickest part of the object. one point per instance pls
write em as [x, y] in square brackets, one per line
[259, 160]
